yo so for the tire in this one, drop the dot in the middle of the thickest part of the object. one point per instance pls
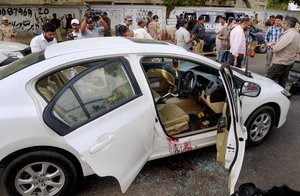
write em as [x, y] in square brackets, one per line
[28, 167]
[262, 49]
[259, 125]
[213, 48]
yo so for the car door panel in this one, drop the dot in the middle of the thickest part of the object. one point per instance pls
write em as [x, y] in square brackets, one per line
[231, 138]
[104, 116]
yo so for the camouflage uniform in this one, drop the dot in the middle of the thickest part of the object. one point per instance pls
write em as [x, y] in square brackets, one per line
[8, 33]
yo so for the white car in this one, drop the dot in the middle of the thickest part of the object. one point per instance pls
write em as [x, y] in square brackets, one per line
[108, 105]
[12, 51]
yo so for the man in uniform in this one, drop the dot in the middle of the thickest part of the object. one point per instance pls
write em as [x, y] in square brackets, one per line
[7, 32]
[198, 32]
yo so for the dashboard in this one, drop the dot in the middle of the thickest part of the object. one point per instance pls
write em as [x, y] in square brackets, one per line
[209, 89]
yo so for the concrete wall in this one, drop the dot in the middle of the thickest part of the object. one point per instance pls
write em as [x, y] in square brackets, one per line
[31, 19]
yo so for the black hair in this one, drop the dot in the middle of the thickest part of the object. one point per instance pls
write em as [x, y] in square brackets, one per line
[230, 19]
[244, 19]
[183, 21]
[122, 29]
[279, 17]
[48, 27]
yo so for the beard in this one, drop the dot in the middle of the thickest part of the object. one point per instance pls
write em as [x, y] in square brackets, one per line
[49, 39]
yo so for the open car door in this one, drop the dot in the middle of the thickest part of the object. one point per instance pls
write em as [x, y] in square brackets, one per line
[232, 135]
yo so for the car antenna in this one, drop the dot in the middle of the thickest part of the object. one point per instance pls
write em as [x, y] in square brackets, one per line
[246, 59]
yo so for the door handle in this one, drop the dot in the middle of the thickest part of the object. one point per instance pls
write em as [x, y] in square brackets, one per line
[101, 144]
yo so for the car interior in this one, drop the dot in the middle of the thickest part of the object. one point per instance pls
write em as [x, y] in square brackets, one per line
[189, 97]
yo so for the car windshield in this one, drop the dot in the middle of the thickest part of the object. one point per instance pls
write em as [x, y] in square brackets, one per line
[21, 64]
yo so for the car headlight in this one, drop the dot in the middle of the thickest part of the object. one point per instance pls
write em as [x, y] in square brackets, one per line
[12, 54]
[250, 89]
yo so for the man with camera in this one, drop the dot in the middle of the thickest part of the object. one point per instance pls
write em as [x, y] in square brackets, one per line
[89, 28]
[75, 34]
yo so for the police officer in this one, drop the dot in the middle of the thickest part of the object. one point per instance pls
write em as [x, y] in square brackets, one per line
[198, 32]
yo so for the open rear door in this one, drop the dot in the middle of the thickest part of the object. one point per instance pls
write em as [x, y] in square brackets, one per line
[232, 135]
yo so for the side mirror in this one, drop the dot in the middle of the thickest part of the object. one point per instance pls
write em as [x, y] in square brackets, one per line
[250, 89]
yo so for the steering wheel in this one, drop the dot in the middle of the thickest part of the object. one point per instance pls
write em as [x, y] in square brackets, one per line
[186, 83]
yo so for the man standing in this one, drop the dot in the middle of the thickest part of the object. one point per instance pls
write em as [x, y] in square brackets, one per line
[141, 31]
[198, 32]
[224, 37]
[56, 23]
[88, 28]
[7, 32]
[154, 28]
[128, 21]
[75, 34]
[149, 17]
[183, 37]
[285, 52]
[47, 38]
[218, 28]
[68, 23]
[272, 35]
[238, 43]
[179, 19]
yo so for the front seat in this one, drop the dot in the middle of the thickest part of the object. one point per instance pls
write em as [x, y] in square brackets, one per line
[173, 118]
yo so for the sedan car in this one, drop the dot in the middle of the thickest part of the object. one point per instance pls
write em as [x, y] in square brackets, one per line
[12, 51]
[108, 105]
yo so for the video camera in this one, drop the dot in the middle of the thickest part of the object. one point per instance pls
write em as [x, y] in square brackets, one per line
[92, 14]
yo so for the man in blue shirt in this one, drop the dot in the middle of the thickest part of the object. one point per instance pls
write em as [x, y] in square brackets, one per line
[89, 27]
[272, 35]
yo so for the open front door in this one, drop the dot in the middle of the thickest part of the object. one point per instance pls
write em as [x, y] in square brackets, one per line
[232, 135]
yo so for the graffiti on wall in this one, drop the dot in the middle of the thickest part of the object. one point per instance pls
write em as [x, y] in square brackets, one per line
[32, 19]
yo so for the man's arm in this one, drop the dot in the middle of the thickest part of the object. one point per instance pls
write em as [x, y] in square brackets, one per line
[83, 26]
[34, 45]
[282, 43]
[103, 23]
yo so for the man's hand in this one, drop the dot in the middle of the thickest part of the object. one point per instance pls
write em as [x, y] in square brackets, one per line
[235, 62]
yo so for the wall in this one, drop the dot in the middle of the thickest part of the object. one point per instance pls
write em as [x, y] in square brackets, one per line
[32, 18]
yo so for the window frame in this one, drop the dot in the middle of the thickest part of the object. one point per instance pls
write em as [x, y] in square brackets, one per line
[63, 129]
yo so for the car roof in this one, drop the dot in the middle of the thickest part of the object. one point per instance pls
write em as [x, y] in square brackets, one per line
[113, 44]
[11, 46]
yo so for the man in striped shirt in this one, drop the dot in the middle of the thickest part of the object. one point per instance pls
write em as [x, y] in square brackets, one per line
[272, 35]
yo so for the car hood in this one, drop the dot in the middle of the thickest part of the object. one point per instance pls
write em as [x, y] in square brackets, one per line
[11, 46]
[258, 79]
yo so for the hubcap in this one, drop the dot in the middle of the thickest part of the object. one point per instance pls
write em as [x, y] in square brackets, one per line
[40, 178]
[260, 127]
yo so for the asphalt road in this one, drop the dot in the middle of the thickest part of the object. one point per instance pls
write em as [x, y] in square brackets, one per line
[273, 163]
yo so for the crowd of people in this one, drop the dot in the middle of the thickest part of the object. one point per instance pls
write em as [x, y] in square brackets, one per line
[282, 38]
[233, 40]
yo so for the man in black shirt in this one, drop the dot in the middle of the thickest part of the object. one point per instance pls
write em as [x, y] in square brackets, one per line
[56, 22]
[199, 31]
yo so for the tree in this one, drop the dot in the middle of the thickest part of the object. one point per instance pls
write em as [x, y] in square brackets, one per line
[281, 4]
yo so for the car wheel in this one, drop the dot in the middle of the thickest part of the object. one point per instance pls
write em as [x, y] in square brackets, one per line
[262, 49]
[259, 125]
[40, 173]
[213, 48]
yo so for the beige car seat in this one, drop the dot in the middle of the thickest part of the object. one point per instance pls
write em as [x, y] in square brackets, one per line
[173, 118]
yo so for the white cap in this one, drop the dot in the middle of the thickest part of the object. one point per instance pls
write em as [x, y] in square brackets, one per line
[74, 21]
[4, 18]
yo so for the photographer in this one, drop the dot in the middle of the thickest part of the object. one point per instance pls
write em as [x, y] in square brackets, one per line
[75, 34]
[88, 26]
